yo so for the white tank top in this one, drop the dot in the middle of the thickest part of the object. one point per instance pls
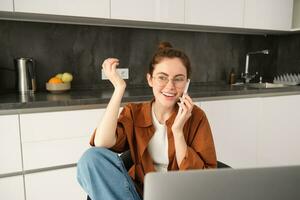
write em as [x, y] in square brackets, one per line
[158, 145]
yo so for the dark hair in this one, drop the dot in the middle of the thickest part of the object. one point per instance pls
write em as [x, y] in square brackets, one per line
[166, 50]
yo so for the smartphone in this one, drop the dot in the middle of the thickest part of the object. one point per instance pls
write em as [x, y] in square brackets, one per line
[185, 91]
[186, 87]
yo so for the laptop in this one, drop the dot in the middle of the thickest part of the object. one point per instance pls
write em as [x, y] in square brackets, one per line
[271, 183]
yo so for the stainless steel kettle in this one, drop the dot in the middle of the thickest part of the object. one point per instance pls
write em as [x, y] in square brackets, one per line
[26, 79]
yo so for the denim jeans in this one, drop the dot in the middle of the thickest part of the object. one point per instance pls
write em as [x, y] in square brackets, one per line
[101, 173]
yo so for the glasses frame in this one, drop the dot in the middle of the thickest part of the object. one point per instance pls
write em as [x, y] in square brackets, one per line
[162, 84]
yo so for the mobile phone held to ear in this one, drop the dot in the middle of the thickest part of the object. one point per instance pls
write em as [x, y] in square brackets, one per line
[186, 87]
[184, 92]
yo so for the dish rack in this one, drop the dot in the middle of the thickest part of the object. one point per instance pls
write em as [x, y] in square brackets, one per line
[287, 79]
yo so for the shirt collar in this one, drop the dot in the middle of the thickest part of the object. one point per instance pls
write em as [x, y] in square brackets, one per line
[144, 118]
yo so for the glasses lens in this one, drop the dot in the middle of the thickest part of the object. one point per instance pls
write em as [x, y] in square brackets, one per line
[178, 82]
[162, 80]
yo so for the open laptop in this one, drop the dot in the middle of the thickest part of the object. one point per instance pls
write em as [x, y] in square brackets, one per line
[272, 183]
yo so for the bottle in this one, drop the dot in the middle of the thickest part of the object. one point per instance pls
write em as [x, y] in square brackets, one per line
[231, 77]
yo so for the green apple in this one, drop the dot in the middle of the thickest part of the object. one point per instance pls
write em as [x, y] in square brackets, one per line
[59, 75]
[67, 77]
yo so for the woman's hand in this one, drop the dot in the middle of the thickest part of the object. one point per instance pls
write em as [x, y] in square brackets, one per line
[184, 113]
[109, 67]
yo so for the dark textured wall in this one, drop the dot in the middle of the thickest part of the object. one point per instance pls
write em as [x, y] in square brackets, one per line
[80, 49]
[288, 54]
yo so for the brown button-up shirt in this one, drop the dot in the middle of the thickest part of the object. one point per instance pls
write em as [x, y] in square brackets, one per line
[135, 129]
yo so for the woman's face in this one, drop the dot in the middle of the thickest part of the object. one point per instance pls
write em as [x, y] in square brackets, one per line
[168, 81]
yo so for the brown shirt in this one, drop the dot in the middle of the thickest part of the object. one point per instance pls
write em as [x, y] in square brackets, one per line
[135, 129]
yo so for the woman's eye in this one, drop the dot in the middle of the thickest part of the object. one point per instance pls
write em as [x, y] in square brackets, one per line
[163, 78]
[178, 79]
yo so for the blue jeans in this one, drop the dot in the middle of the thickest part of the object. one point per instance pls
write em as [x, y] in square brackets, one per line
[102, 174]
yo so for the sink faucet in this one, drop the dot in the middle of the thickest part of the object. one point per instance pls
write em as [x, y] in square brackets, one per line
[246, 74]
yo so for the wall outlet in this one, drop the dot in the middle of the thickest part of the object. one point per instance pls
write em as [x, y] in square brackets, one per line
[124, 73]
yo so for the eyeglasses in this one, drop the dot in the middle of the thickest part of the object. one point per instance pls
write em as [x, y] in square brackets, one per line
[162, 80]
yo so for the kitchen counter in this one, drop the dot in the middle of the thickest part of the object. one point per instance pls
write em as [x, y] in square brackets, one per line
[14, 103]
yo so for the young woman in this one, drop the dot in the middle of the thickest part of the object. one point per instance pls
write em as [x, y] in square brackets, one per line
[159, 135]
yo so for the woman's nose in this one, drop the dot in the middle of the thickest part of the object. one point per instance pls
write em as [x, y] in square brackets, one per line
[170, 84]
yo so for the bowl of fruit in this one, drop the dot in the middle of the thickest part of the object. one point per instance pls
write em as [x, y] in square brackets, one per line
[59, 83]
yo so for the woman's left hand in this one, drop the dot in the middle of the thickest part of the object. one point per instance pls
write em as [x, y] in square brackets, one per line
[184, 113]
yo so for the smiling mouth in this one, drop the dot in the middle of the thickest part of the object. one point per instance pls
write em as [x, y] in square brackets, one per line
[168, 94]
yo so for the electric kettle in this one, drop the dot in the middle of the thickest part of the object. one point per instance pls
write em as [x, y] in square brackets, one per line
[25, 73]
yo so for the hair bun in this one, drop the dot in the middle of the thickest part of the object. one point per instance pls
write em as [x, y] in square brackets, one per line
[164, 45]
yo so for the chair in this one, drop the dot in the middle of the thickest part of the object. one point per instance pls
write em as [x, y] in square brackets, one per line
[128, 162]
[126, 158]
[222, 165]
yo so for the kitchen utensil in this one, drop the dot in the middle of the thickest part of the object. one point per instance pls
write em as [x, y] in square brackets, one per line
[25, 71]
[287, 79]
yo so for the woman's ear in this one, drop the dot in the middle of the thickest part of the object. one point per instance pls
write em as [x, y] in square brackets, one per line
[149, 79]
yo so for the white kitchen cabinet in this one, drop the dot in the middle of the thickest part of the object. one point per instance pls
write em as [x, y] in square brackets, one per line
[234, 125]
[171, 11]
[227, 13]
[296, 14]
[268, 14]
[59, 125]
[279, 134]
[10, 146]
[56, 138]
[84, 8]
[58, 184]
[12, 188]
[7, 5]
[49, 153]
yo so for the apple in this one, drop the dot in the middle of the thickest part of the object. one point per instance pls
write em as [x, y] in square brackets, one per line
[67, 77]
[59, 75]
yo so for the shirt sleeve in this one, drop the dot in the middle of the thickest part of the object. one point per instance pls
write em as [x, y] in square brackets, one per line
[201, 153]
[124, 127]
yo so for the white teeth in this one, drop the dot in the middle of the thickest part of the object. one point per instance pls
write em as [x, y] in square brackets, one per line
[168, 94]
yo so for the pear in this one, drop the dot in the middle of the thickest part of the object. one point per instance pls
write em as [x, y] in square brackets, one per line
[67, 77]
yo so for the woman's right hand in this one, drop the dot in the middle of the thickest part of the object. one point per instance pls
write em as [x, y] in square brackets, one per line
[109, 67]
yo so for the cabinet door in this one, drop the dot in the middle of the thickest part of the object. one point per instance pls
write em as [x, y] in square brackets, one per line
[268, 14]
[279, 135]
[296, 15]
[56, 138]
[171, 11]
[227, 13]
[6, 5]
[85, 8]
[234, 125]
[57, 184]
[12, 188]
[10, 146]
[143, 10]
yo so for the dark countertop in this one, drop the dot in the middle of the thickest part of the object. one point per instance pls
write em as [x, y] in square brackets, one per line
[81, 99]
